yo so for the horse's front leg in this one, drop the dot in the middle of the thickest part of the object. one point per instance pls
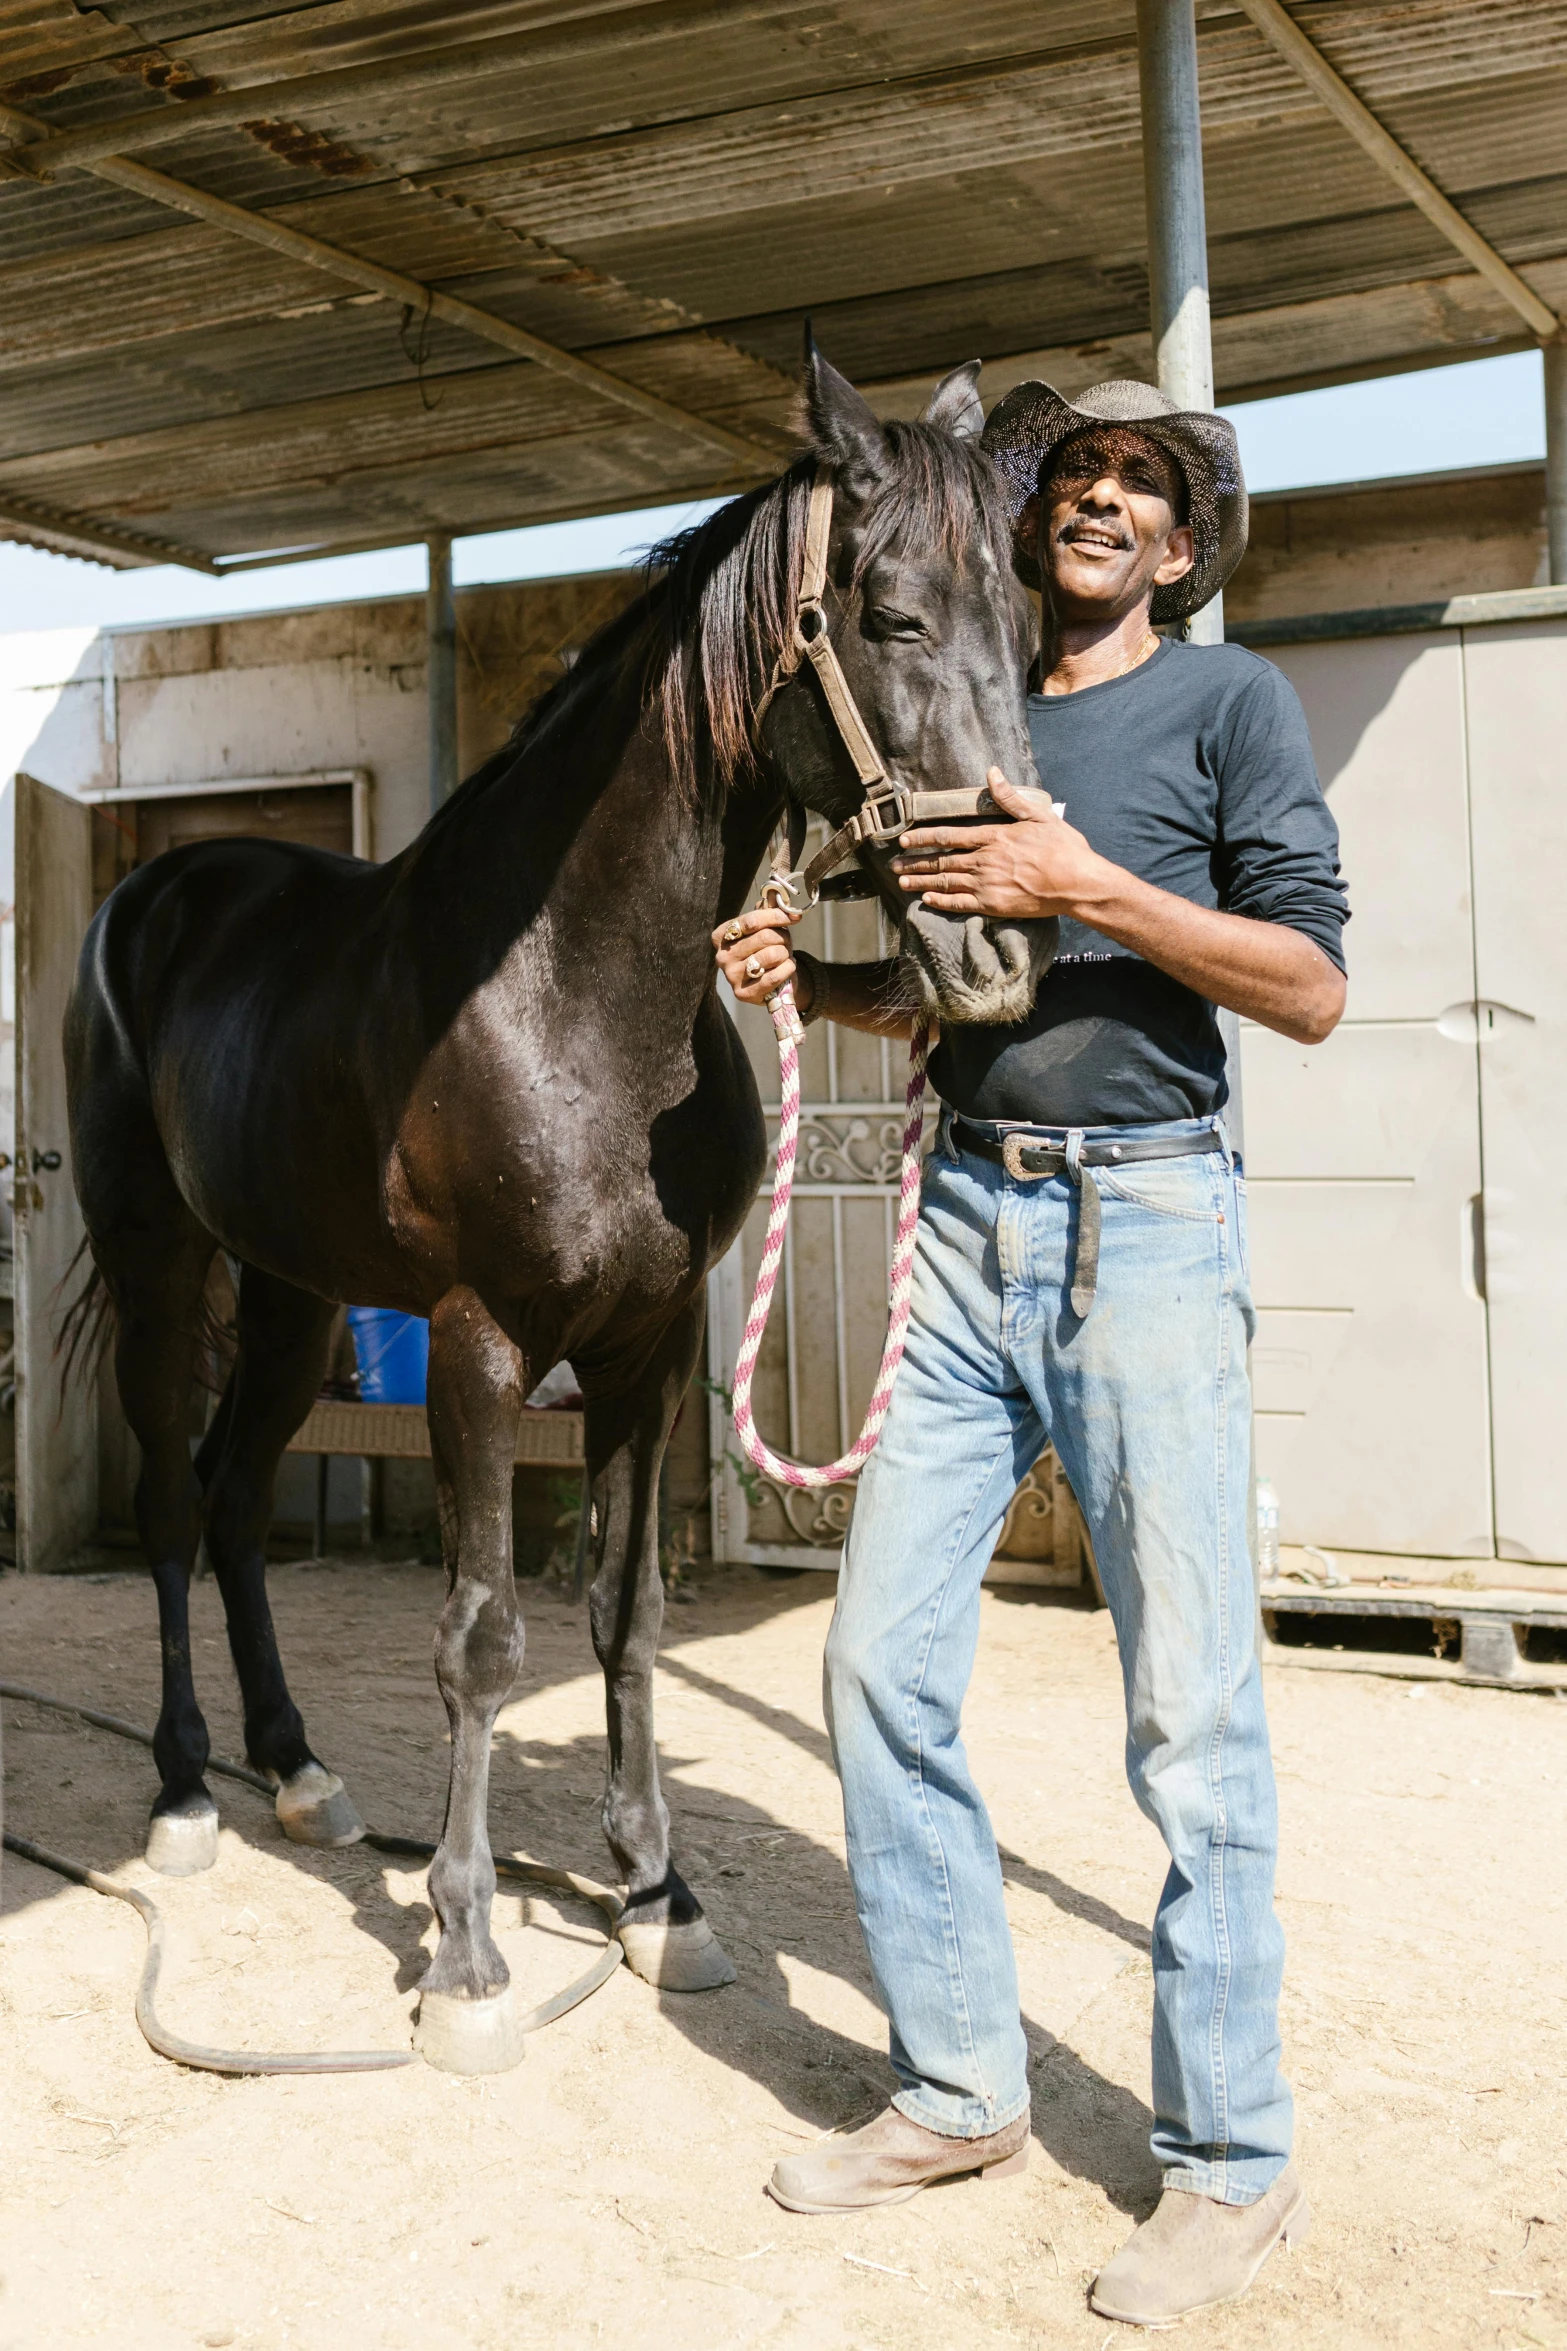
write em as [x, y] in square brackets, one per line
[467, 2018]
[665, 1935]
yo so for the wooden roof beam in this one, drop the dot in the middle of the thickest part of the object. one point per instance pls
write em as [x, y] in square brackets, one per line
[262, 228]
[1279, 28]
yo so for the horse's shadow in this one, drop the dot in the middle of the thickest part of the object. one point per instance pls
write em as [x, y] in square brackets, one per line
[775, 1895]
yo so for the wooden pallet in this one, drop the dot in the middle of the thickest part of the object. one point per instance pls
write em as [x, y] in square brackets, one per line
[400, 1432]
[1490, 1622]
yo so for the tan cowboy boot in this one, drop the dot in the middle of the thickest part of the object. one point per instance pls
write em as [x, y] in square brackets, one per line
[1193, 2251]
[889, 2161]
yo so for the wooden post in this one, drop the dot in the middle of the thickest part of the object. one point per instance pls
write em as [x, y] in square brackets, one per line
[1555, 357]
[441, 671]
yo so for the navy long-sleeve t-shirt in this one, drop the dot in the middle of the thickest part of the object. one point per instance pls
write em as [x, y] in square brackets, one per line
[1195, 773]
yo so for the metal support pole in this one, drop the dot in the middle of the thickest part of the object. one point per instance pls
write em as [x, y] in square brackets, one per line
[1178, 283]
[1178, 313]
[441, 668]
[1177, 222]
[1555, 357]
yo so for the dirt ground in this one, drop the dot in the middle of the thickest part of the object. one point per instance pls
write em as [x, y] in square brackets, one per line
[610, 2188]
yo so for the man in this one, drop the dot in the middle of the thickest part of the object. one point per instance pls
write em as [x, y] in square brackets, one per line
[1082, 1277]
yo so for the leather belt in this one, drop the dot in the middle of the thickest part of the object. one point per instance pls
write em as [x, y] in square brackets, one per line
[1031, 1154]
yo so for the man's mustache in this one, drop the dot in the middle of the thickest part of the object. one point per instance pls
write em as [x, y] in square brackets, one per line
[1107, 533]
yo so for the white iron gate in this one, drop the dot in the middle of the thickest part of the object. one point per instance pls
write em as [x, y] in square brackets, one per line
[819, 1361]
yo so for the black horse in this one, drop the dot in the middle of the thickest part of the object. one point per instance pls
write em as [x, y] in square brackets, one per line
[492, 1082]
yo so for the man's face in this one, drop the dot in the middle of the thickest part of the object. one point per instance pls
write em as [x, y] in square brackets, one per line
[1106, 522]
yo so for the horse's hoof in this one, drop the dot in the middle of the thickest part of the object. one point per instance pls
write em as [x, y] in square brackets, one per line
[315, 1808]
[469, 2036]
[686, 1958]
[182, 1844]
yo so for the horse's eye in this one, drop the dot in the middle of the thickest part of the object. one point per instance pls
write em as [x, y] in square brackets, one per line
[888, 622]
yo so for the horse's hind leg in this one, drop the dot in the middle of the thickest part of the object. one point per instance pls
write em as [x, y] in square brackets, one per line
[665, 1935]
[155, 1271]
[284, 1336]
[467, 2023]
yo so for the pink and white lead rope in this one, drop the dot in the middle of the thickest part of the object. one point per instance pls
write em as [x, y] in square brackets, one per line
[786, 1021]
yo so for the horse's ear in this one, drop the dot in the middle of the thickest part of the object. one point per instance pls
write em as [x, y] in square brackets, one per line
[842, 426]
[954, 404]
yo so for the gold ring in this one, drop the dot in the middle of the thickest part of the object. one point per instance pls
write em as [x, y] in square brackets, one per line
[753, 968]
[735, 931]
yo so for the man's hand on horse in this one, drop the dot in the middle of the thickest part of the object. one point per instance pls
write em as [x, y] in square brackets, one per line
[1037, 865]
[754, 957]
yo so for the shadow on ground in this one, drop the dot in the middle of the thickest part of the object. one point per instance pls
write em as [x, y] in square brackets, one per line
[773, 1890]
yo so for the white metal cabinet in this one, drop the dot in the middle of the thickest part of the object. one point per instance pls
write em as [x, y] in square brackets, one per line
[1516, 682]
[1369, 1366]
[1364, 1154]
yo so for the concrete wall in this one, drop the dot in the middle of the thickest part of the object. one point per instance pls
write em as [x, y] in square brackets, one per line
[1378, 543]
[282, 693]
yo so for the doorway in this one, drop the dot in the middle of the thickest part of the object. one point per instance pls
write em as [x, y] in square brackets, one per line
[76, 1462]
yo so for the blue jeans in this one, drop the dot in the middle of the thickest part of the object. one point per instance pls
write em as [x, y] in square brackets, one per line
[1147, 1404]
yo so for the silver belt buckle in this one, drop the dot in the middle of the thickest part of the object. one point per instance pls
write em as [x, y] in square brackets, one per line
[1012, 1150]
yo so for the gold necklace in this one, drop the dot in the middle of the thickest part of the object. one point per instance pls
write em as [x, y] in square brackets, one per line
[1135, 659]
[1150, 644]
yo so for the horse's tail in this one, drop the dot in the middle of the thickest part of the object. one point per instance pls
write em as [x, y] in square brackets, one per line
[87, 1327]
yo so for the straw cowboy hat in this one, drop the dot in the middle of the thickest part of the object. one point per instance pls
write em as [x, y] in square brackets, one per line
[1025, 426]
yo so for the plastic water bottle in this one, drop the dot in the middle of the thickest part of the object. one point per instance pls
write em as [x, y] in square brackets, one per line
[1267, 1528]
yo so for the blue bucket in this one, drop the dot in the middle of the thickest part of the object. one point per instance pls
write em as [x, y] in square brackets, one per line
[394, 1354]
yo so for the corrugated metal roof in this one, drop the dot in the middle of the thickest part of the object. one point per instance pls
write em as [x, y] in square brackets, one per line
[670, 199]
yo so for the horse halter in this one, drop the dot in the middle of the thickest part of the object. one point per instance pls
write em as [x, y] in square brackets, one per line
[888, 808]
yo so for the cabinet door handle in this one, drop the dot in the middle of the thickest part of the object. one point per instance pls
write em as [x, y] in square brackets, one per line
[1477, 1245]
[47, 1160]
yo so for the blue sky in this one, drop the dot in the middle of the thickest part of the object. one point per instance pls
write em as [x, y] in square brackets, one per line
[1485, 412]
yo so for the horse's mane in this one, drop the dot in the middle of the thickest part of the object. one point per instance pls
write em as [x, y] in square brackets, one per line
[718, 610]
[729, 585]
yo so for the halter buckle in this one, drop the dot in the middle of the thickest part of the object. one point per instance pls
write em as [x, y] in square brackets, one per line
[869, 820]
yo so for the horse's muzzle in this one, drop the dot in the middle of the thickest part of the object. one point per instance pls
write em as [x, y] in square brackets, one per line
[976, 970]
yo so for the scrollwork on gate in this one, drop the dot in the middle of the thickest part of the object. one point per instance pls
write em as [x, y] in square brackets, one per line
[1030, 1528]
[849, 1150]
[1041, 1521]
[847, 1147]
[820, 1518]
